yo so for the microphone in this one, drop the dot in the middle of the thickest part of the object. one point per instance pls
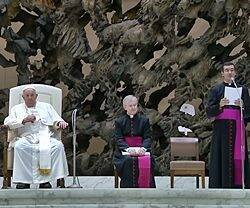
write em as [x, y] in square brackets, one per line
[73, 117]
[232, 79]
[237, 89]
[242, 139]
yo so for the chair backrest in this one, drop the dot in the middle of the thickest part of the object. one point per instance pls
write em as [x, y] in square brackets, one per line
[184, 147]
[46, 93]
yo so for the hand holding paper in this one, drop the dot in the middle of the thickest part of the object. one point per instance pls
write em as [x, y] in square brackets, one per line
[141, 151]
[135, 151]
[223, 102]
[132, 151]
[238, 102]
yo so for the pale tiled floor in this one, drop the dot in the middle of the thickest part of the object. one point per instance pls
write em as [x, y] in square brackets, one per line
[162, 182]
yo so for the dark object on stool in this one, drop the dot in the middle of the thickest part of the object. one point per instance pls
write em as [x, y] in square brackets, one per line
[22, 186]
[45, 185]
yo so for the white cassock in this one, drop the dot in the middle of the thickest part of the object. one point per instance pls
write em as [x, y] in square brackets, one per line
[39, 154]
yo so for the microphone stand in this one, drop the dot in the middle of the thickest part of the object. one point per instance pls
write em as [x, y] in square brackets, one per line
[242, 147]
[74, 185]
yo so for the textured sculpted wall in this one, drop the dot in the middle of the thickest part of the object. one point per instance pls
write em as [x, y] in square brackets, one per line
[125, 62]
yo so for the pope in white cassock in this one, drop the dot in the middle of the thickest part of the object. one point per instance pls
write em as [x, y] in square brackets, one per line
[39, 155]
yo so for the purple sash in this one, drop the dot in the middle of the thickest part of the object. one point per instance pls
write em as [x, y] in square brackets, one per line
[144, 162]
[234, 114]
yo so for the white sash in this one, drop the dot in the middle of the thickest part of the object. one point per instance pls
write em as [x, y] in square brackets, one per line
[44, 151]
[43, 135]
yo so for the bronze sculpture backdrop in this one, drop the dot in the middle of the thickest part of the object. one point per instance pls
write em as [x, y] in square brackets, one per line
[128, 41]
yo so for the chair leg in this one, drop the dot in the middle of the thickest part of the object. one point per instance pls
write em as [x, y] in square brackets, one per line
[6, 180]
[6, 183]
[60, 183]
[171, 179]
[197, 182]
[10, 172]
[203, 179]
[116, 179]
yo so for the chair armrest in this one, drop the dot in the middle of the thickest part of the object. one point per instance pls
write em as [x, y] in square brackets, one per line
[3, 131]
[4, 128]
[55, 126]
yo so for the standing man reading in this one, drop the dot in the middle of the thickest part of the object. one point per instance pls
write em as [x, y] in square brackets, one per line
[133, 144]
[226, 155]
[39, 156]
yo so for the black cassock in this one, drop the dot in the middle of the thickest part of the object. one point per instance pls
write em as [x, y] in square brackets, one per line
[127, 166]
[221, 167]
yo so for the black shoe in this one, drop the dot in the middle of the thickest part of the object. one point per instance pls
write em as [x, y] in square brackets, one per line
[22, 186]
[45, 185]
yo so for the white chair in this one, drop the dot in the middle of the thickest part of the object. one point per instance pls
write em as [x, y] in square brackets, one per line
[46, 93]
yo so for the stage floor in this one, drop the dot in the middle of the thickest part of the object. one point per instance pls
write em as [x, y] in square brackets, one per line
[162, 182]
[124, 198]
[99, 192]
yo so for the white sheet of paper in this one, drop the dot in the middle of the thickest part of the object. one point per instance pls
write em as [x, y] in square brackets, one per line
[231, 94]
[126, 153]
[136, 149]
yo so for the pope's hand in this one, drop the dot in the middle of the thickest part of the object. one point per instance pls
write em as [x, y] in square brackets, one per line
[62, 124]
[29, 118]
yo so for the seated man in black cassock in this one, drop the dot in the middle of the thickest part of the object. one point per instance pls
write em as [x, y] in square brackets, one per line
[133, 143]
[226, 155]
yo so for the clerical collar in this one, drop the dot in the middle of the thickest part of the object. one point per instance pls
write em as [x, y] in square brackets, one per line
[131, 116]
[228, 84]
[29, 107]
